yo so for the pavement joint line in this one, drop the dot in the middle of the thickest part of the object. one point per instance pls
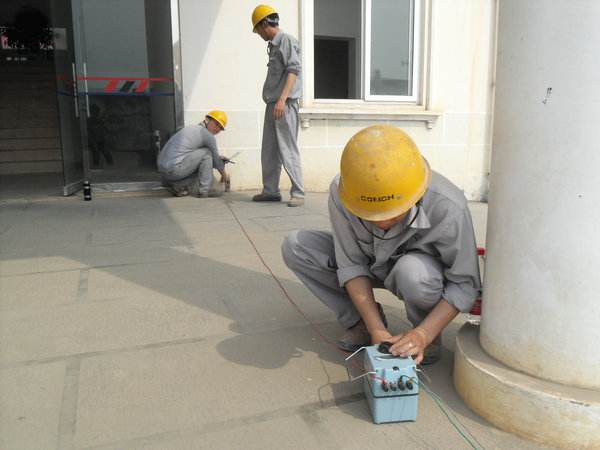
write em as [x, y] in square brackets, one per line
[228, 425]
[82, 289]
[104, 266]
[85, 355]
[153, 345]
[68, 408]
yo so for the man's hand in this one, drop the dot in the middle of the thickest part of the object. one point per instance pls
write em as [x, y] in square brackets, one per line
[279, 109]
[380, 336]
[411, 343]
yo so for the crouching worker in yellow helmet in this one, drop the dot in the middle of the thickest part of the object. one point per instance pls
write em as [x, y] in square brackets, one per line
[187, 160]
[395, 225]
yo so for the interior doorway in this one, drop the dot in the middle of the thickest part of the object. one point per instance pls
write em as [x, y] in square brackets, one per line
[335, 68]
[112, 93]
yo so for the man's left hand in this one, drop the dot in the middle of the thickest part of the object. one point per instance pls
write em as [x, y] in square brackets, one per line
[279, 109]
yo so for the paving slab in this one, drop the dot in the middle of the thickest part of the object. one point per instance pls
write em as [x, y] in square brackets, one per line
[39, 290]
[132, 394]
[79, 329]
[151, 322]
[30, 404]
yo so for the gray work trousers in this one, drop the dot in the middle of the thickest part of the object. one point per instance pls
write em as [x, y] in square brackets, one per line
[194, 172]
[280, 147]
[415, 278]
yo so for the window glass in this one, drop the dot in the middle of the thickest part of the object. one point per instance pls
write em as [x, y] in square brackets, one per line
[366, 49]
[338, 38]
[391, 53]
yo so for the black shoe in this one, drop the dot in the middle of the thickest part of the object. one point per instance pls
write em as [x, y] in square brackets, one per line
[358, 336]
[432, 354]
[262, 197]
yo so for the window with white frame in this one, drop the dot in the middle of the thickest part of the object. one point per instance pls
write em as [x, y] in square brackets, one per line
[367, 50]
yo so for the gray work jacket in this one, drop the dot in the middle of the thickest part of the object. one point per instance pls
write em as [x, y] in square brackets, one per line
[186, 141]
[284, 58]
[442, 228]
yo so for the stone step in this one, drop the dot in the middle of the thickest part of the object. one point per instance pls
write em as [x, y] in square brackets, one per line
[11, 122]
[30, 167]
[31, 103]
[29, 144]
[53, 154]
[8, 86]
[26, 76]
[29, 133]
[7, 114]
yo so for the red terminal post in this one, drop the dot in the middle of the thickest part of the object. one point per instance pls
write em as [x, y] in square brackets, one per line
[476, 309]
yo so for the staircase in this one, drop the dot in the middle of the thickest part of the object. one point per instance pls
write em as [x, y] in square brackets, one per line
[29, 133]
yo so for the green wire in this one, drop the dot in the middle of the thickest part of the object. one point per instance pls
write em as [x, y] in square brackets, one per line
[439, 402]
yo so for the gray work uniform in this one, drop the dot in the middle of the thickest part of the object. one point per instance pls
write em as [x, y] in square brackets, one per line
[280, 137]
[433, 257]
[189, 157]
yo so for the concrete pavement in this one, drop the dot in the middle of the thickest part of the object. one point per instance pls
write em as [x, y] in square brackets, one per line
[150, 322]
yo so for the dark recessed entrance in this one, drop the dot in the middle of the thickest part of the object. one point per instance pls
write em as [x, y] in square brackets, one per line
[96, 101]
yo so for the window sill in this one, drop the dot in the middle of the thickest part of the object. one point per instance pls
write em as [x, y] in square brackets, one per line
[361, 111]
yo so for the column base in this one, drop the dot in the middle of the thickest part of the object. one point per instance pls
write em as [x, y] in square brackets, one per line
[549, 413]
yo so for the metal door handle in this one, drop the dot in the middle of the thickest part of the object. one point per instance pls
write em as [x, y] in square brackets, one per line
[85, 87]
[75, 94]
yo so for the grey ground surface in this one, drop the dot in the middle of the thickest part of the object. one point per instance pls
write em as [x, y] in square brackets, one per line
[151, 322]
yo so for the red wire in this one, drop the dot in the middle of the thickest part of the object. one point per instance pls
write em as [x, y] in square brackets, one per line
[287, 295]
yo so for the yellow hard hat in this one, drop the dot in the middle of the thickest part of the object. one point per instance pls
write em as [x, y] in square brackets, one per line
[382, 173]
[260, 12]
[219, 116]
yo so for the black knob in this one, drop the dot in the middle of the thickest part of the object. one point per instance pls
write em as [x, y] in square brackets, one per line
[384, 347]
[409, 385]
[384, 386]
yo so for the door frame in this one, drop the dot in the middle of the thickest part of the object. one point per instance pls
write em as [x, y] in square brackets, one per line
[71, 188]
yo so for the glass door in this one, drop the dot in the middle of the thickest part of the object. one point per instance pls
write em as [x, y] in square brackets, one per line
[68, 100]
[124, 67]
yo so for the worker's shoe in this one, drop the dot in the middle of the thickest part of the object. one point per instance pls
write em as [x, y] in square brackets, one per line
[262, 197]
[433, 352]
[211, 193]
[179, 191]
[358, 336]
[296, 201]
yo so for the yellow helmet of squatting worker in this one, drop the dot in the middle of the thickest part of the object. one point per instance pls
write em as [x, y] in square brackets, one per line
[382, 173]
[260, 12]
[219, 116]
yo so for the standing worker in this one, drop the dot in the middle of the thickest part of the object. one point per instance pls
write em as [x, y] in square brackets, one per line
[396, 225]
[187, 160]
[281, 92]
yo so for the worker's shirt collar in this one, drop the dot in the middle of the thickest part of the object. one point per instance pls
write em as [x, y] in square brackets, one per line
[421, 221]
[277, 38]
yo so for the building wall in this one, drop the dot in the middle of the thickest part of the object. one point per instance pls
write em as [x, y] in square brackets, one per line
[224, 65]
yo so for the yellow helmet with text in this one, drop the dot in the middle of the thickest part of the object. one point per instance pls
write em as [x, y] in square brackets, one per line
[260, 12]
[382, 173]
[219, 116]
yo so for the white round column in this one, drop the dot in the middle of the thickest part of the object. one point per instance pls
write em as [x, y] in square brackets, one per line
[535, 369]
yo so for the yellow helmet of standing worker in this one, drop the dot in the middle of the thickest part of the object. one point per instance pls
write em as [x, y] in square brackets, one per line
[382, 173]
[219, 116]
[260, 12]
